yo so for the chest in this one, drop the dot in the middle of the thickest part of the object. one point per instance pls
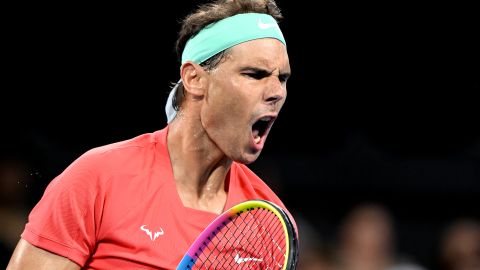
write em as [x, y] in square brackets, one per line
[144, 227]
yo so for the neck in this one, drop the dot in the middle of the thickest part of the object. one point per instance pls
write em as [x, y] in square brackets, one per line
[199, 167]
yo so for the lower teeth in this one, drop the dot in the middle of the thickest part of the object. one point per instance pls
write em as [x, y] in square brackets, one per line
[256, 139]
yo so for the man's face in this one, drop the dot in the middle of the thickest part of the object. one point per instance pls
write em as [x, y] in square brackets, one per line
[245, 94]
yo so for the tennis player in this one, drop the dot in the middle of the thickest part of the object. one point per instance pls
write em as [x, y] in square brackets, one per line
[140, 203]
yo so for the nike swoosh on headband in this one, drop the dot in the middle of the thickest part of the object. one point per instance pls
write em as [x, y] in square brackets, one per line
[263, 25]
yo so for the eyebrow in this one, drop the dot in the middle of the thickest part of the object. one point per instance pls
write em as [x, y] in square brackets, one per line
[265, 72]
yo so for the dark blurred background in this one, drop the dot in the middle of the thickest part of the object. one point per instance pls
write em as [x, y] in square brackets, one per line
[382, 109]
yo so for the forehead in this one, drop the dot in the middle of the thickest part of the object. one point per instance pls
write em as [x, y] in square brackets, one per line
[266, 52]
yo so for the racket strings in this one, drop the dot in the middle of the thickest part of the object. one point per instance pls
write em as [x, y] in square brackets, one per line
[253, 239]
[266, 245]
[214, 249]
[273, 244]
[247, 219]
[229, 236]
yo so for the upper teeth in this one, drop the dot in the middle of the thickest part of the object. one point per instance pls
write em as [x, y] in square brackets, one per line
[266, 118]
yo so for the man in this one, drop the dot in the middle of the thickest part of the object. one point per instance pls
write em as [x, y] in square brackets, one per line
[140, 203]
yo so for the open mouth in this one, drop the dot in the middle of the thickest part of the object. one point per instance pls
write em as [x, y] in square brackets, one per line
[260, 128]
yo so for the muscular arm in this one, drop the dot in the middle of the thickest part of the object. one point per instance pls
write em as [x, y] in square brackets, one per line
[27, 256]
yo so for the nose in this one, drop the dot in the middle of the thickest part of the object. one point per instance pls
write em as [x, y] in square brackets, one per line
[276, 92]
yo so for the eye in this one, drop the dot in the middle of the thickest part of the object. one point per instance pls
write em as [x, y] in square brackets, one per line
[255, 75]
[283, 78]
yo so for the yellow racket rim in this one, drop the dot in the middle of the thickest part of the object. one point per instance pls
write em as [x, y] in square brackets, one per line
[251, 204]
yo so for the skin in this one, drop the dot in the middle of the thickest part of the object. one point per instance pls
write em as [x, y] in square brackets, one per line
[27, 256]
[212, 129]
[214, 125]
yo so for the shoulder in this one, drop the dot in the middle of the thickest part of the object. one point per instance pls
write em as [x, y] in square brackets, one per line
[102, 162]
[117, 153]
[130, 145]
[250, 182]
[254, 187]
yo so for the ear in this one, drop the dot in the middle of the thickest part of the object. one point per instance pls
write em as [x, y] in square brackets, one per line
[194, 79]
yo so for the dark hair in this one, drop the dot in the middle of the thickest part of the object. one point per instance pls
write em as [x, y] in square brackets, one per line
[210, 13]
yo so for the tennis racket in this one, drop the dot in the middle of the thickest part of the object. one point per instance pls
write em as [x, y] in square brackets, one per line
[254, 234]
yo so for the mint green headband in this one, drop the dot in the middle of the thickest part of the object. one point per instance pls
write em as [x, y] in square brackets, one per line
[229, 32]
[221, 35]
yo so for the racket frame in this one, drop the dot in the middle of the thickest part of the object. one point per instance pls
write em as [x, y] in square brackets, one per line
[221, 221]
